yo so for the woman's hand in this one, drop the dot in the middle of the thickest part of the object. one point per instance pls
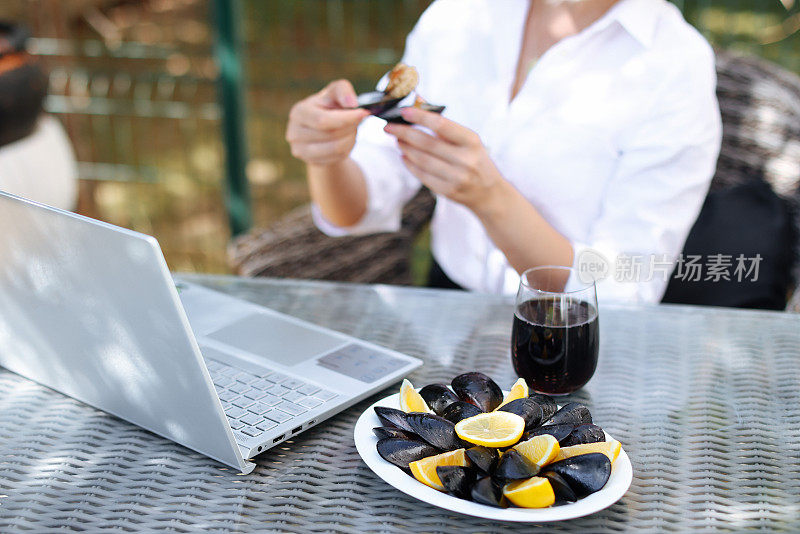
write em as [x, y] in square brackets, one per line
[322, 128]
[453, 162]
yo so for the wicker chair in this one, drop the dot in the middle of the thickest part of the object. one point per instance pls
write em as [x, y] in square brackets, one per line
[760, 106]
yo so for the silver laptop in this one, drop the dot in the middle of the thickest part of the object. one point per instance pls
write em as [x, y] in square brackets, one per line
[91, 310]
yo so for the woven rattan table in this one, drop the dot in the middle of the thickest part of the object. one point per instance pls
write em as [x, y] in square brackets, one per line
[706, 402]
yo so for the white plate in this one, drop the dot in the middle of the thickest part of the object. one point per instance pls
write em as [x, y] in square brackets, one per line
[615, 488]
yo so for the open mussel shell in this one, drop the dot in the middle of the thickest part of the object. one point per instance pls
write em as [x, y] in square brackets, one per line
[487, 491]
[585, 474]
[560, 432]
[572, 413]
[478, 389]
[402, 452]
[438, 397]
[527, 408]
[392, 417]
[436, 430]
[456, 479]
[548, 404]
[391, 432]
[395, 116]
[560, 487]
[460, 410]
[584, 434]
[484, 458]
[514, 466]
[377, 102]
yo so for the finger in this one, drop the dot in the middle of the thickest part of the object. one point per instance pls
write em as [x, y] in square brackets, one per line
[425, 142]
[444, 128]
[434, 183]
[340, 94]
[430, 163]
[302, 134]
[322, 152]
[319, 118]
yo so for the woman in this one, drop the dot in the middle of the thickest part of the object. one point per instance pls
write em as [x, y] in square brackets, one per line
[571, 126]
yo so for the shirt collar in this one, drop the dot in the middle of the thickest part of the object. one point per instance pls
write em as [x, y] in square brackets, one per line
[637, 17]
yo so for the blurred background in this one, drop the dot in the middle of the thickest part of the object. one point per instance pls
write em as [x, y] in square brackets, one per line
[135, 83]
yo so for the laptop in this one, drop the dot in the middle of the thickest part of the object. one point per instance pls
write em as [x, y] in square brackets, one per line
[91, 310]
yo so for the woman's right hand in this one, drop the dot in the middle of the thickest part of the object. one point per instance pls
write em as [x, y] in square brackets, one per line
[322, 128]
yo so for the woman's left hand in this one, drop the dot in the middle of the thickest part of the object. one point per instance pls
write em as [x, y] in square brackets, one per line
[453, 162]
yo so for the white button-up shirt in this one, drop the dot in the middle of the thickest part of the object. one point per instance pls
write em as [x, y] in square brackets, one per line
[613, 138]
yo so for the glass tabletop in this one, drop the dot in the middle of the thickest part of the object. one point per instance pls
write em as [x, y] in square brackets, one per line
[706, 402]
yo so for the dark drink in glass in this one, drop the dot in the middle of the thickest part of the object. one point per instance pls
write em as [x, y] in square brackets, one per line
[555, 337]
[554, 345]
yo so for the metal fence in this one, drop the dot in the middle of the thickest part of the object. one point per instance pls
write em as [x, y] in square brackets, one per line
[134, 81]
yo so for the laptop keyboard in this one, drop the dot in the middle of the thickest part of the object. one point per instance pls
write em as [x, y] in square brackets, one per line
[256, 404]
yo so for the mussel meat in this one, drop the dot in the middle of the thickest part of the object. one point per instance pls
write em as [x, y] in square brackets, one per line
[402, 452]
[560, 432]
[392, 417]
[403, 79]
[526, 408]
[456, 479]
[460, 410]
[478, 389]
[484, 458]
[549, 406]
[392, 432]
[438, 397]
[585, 474]
[584, 434]
[572, 413]
[486, 491]
[560, 487]
[514, 466]
[436, 430]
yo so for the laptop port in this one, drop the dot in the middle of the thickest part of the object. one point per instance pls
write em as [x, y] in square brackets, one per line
[276, 440]
[296, 430]
[311, 423]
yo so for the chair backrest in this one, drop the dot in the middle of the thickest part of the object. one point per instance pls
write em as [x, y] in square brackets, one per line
[760, 106]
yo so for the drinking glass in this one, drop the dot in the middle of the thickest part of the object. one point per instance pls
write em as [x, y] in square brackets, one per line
[555, 337]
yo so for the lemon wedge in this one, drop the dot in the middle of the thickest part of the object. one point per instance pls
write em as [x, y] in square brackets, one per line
[540, 450]
[518, 391]
[533, 492]
[411, 400]
[425, 470]
[493, 429]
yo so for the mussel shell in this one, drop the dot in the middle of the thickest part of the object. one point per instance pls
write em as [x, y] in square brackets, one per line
[572, 413]
[460, 410]
[484, 458]
[560, 432]
[402, 452]
[436, 430]
[514, 466]
[478, 389]
[584, 434]
[585, 474]
[395, 116]
[486, 491]
[548, 404]
[438, 397]
[456, 479]
[527, 408]
[560, 487]
[376, 102]
[391, 432]
[392, 417]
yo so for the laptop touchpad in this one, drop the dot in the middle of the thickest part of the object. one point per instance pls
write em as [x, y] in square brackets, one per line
[276, 338]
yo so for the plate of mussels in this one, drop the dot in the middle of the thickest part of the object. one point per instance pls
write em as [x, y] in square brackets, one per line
[514, 455]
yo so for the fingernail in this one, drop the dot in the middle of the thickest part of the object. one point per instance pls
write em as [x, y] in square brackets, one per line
[407, 113]
[388, 128]
[352, 101]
